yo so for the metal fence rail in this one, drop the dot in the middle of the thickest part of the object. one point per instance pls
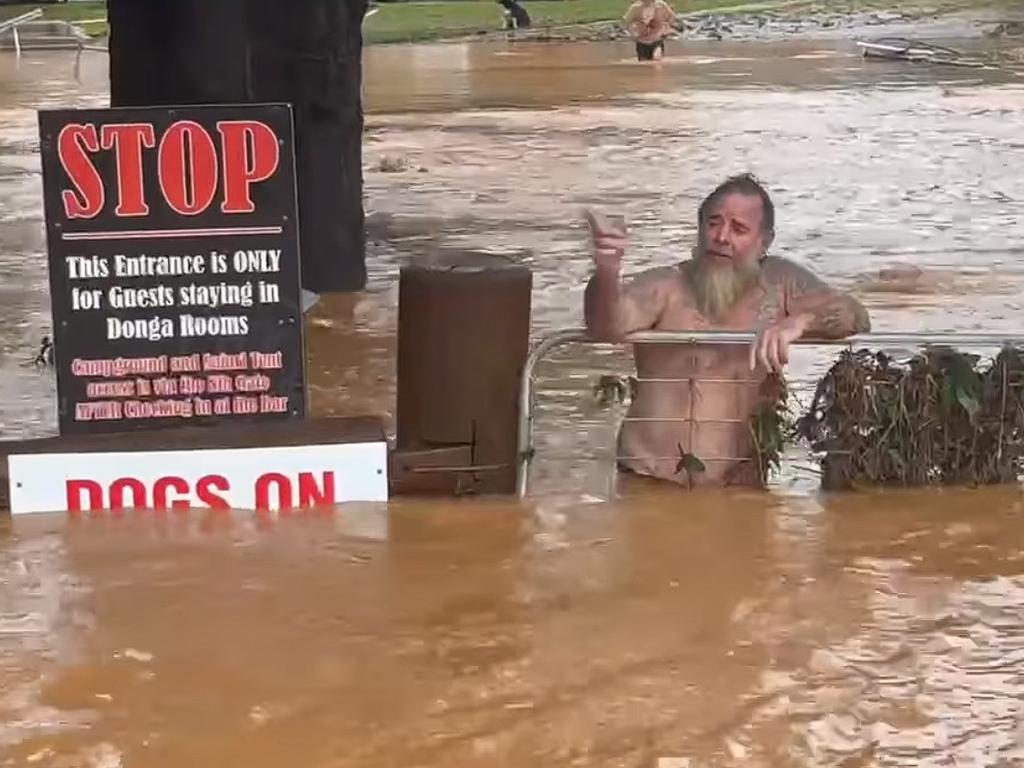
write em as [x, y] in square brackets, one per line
[13, 24]
[555, 339]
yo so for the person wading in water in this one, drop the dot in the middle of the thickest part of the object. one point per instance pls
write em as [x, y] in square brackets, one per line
[516, 15]
[649, 22]
[729, 284]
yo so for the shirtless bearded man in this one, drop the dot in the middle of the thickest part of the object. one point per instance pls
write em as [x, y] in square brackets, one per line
[649, 22]
[729, 284]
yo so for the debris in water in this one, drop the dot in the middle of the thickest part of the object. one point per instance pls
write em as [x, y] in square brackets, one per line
[907, 49]
[612, 390]
[394, 164]
[1008, 28]
[45, 354]
[942, 418]
[689, 463]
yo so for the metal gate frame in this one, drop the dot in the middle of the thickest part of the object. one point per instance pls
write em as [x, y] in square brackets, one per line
[549, 341]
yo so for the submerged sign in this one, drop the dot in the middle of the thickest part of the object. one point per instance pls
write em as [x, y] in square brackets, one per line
[174, 265]
[278, 478]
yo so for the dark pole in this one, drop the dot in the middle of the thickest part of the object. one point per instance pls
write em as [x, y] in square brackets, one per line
[305, 52]
[463, 339]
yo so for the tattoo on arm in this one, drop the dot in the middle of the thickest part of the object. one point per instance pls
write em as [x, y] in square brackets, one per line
[835, 315]
[839, 317]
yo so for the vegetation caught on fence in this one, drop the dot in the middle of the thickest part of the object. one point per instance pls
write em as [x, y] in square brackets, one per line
[771, 427]
[942, 417]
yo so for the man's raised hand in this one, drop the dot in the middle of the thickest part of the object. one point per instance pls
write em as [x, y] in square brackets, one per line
[608, 242]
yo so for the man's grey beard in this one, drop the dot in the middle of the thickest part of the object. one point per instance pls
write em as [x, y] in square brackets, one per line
[718, 284]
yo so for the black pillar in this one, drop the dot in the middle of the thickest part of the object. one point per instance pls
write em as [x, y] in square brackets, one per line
[305, 52]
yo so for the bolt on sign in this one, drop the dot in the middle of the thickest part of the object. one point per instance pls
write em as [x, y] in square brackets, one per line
[174, 266]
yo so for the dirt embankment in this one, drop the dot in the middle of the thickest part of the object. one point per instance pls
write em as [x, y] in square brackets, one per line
[945, 18]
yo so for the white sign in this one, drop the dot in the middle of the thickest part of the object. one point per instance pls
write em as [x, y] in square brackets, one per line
[275, 479]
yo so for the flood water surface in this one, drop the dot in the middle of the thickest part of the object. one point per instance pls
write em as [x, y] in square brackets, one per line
[593, 624]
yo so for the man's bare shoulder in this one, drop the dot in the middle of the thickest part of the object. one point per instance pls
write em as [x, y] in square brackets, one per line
[655, 286]
[659, 273]
[662, 277]
[665, 9]
[779, 271]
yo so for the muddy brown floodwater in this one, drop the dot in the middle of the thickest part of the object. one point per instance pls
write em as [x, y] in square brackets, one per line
[589, 625]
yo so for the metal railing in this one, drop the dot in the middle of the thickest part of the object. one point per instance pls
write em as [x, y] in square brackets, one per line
[12, 24]
[74, 37]
[555, 339]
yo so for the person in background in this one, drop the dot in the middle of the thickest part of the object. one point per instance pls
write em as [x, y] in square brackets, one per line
[649, 22]
[516, 16]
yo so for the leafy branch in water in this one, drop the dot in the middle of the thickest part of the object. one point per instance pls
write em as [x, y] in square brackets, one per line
[689, 464]
[771, 427]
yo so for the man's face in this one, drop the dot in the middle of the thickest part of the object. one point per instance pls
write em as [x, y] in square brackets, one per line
[731, 232]
[727, 261]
